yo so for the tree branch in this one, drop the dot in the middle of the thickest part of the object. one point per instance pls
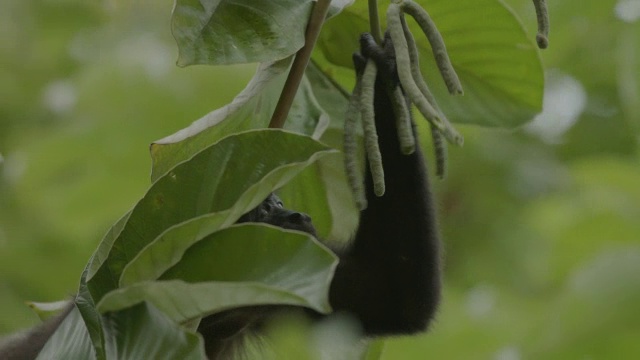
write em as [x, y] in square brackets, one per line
[318, 15]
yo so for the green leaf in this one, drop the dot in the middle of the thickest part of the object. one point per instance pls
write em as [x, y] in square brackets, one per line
[497, 62]
[241, 31]
[251, 109]
[238, 31]
[140, 332]
[143, 332]
[168, 248]
[70, 341]
[102, 252]
[92, 320]
[317, 98]
[332, 99]
[235, 174]
[246, 264]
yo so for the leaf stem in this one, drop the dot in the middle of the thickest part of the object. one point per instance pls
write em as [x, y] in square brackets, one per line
[374, 21]
[318, 15]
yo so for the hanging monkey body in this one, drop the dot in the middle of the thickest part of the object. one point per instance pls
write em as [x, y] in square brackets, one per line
[389, 278]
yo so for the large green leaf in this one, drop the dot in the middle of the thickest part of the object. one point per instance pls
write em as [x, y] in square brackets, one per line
[143, 332]
[102, 252]
[235, 174]
[168, 248]
[246, 264]
[251, 109]
[140, 332]
[241, 31]
[497, 62]
[318, 110]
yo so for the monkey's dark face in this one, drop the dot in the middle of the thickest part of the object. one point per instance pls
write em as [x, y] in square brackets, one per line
[272, 211]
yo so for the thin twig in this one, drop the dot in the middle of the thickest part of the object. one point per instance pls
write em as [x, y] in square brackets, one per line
[374, 21]
[318, 15]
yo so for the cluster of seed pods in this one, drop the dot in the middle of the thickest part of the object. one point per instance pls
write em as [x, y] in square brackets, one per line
[416, 89]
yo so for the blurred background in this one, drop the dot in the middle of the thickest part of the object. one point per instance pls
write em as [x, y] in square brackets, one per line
[541, 224]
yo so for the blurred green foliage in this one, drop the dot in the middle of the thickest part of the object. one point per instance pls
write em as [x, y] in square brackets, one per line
[540, 224]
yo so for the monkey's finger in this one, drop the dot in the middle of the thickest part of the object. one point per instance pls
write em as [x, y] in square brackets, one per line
[370, 49]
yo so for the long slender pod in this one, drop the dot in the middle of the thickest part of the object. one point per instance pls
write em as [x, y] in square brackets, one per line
[437, 45]
[440, 149]
[404, 68]
[403, 121]
[543, 23]
[449, 132]
[369, 127]
[354, 177]
[414, 58]
[439, 145]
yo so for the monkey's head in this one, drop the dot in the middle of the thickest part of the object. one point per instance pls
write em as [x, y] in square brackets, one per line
[272, 211]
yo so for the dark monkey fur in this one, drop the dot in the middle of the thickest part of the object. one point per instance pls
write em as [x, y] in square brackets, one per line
[388, 278]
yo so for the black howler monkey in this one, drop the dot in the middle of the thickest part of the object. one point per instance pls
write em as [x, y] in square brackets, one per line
[389, 276]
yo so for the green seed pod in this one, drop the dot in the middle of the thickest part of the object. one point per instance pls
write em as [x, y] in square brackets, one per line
[369, 127]
[543, 23]
[440, 149]
[437, 44]
[354, 177]
[449, 131]
[404, 68]
[451, 134]
[403, 121]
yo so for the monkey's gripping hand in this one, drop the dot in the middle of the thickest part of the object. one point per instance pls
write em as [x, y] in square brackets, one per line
[390, 276]
[375, 68]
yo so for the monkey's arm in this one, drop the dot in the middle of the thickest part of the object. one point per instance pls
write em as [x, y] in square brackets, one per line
[390, 276]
